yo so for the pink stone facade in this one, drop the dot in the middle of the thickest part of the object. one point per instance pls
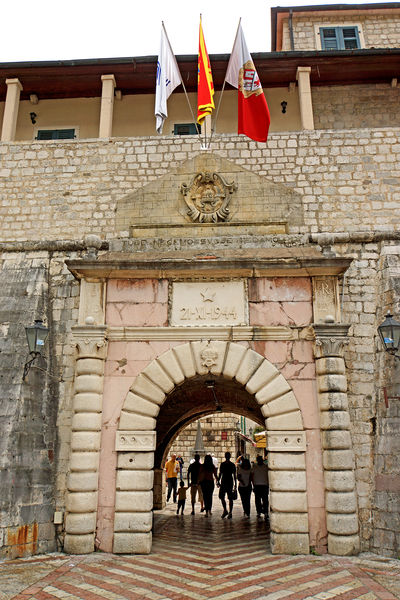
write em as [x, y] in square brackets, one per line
[272, 302]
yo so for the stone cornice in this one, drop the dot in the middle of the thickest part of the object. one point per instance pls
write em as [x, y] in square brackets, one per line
[272, 262]
[353, 237]
[130, 334]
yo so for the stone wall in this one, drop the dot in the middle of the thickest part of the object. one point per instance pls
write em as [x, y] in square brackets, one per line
[346, 107]
[379, 31]
[212, 428]
[34, 285]
[58, 191]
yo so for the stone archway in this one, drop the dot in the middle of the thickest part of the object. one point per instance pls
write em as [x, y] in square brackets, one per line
[136, 440]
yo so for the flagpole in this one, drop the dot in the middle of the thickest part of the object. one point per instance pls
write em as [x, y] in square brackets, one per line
[223, 87]
[183, 85]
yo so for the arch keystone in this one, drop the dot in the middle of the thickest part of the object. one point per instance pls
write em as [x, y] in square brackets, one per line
[209, 357]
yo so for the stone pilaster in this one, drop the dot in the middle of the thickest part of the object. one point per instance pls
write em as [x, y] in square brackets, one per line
[11, 108]
[338, 456]
[81, 505]
[305, 98]
[107, 105]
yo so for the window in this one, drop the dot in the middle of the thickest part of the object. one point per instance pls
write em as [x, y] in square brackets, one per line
[55, 134]
[186, 128]
[339, 38]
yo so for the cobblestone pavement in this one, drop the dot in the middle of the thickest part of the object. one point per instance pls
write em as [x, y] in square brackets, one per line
[195, 558]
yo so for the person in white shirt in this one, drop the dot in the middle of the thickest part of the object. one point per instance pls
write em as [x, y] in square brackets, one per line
[215, 460]
[259, 477]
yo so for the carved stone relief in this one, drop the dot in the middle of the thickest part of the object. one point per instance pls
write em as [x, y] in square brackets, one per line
[325, 298]
[207, 197]
[138, 441]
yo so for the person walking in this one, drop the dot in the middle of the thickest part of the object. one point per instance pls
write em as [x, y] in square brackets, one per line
[207, 475]
[172, 470]
[181, 463]
[181, 497]
[259, 477]
[244, 487]
[193, 482]
[227, 483]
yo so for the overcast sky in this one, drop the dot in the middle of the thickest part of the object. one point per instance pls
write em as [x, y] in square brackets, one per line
[55, 30]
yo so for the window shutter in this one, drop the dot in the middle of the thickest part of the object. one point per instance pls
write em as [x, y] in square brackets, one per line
[350, 38]
[186, 128]
[329, 38]
[55, 134]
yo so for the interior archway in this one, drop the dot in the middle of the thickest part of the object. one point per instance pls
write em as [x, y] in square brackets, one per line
[195, 399]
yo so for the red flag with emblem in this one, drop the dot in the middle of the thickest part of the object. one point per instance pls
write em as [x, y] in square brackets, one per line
[253, 113]
[205, 89]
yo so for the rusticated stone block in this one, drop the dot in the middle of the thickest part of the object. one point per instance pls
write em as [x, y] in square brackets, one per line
[143, 387]
[136, 460]
[132, 521]
[290, 421]
[89, 383]
[80, 524]
[233, 359]
[85, 440]
[336, 439]
[275, 388]
[83, 481]
[289, 523]
[129, 501]
[332, 383]
[284, 404]
[250, 363]
[342, 524]
[341, 502]
[343, 545]
[136, 404]
[281, 481]
[339, 481]
[81, 502]
[333, 401]
[264, 374]
[87, 402]
[338, 460]
[170, 364]
[290, 543]
[132, 543]
[84, 461]
[134, 480]
[89, 366]
[185, 359]
[286, 461]
[86, 422]
[330, 365]
[132, 421]
[79, 544]
[156, 374]
[288, 502]
[335, 419]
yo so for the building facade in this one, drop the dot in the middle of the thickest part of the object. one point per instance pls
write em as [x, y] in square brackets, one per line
[159, 267]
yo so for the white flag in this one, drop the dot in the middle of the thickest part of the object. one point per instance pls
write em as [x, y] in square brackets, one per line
[167, 79]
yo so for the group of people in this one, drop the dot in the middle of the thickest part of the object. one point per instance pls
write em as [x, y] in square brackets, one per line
[230, 478]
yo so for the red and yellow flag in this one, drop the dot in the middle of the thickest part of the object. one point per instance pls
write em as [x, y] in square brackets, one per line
[205, 86]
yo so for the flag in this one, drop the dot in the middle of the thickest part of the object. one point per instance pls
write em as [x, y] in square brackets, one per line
[253, 113]
[205, 86]
[167, 79]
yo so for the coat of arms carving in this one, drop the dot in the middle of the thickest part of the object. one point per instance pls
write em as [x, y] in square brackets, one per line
[207, 197]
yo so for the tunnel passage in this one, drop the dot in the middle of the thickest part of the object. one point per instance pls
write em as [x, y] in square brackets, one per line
[197, 398]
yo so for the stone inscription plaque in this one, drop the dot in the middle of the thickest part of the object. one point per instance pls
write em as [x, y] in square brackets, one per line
[210, 303]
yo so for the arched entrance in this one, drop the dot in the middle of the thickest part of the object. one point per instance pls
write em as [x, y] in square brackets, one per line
[241, 374]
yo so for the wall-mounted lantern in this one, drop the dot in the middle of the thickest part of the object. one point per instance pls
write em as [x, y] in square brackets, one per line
[389, 332]
[36, 336]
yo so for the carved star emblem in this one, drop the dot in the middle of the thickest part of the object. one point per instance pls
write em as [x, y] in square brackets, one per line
[208, 296]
